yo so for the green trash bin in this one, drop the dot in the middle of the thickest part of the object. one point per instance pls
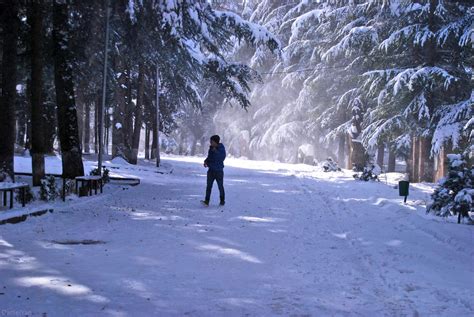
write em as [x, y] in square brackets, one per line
[403, 187]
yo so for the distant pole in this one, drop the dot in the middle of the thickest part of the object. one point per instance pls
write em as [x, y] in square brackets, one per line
[157, 136]
[104, 89]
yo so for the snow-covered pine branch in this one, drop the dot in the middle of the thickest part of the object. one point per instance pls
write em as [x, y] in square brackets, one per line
[358, 39]
[460, 31]
[454, 122]
[377, 131]
[255, 34]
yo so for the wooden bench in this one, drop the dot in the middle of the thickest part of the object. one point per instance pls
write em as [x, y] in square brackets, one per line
[6, 187]
[91, 181]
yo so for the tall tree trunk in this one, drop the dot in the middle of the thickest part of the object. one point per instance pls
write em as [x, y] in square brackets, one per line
[96, 125]
[49, 125]
[421, 159]
[409, 161]
[107, 122]
[380, 154]
[107, 140]
[193, 146]
[21, 131]
[138, 115]
[80, 111]
[442, 161]
[391, 160]
[87, 128]
[341, 149]
[358, 155]
[10, 30]
[181, 146]
[37, 108]
[28, 132]
[426, 170]
[426, 162]
[66, 106]
[129, 113]
[119, 133]
[204, 147]
[349, 150]
[415, 160]
[147, 142]
[153, 144]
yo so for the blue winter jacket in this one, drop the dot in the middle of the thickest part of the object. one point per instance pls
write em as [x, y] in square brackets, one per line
[215, 158]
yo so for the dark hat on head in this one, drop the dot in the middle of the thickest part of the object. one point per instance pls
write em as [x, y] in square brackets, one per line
[215, 138]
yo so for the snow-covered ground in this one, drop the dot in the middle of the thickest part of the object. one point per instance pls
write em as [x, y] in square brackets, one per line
[291, 241]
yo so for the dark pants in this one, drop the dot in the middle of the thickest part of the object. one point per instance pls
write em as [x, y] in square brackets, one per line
[219, 178]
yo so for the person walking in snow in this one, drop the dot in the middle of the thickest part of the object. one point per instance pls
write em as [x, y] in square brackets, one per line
[215, 164]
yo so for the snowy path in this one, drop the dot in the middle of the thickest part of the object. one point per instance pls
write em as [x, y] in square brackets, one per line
[289, 242]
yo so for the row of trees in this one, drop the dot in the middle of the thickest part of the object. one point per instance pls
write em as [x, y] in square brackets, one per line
[358, 79]
[51, 78]
[28, 49]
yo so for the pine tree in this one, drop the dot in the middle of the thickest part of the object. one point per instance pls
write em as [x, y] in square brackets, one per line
[66, 108]
[37, 104]
[407, 64]
[138, 122]
[187, 42]
[455, 193]
[424, 91]
[10, 28]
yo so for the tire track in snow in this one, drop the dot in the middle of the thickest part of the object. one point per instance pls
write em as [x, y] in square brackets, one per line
[330, 258]
[389, 264]
[443, 239]
[365, 261]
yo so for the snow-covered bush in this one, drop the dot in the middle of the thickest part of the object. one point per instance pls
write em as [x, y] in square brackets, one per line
[330, 166]
[370, 173]
[306, 154]
[29, 195]
[69, 186]
[169, 145]
[48, 189]
[4, 177]
[455, 193]
[105, 173]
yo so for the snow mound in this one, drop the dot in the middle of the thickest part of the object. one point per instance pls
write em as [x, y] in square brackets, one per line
[119, 161]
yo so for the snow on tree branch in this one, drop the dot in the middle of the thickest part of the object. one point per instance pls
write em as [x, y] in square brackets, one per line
[251, 32]
[398, 36]
[357, 38]
[453, 123]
